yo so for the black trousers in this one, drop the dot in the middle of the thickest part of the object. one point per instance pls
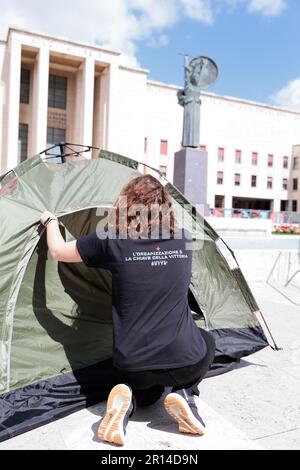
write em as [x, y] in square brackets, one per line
[148, 386]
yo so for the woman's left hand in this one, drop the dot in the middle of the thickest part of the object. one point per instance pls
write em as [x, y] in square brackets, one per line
[45, 215]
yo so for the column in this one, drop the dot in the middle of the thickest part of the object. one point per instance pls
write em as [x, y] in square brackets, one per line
[102, 130]
[97, 121]
[227, 205]
[40, 102]
[276, 205]
[87, 90]
[12, 105]
[112, 111]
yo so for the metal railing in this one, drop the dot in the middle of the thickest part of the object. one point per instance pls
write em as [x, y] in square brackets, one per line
[281, 217]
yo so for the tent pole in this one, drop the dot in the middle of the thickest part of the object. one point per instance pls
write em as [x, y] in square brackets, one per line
[274, 347]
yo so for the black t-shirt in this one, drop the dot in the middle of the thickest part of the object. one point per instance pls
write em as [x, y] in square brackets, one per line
[152, 322]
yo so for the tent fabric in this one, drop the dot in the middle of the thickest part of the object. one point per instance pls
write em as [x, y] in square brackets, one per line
[26, 408]
[55, 318]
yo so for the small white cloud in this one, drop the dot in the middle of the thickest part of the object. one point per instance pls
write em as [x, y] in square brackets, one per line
[288, 96]
[199, 10]
[229, 4]
[159, 41]
[267, 7]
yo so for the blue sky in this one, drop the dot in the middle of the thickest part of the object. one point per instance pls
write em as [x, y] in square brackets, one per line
[254, 42]
[257, 54]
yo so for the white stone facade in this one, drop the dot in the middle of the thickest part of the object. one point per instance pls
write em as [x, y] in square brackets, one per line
[115, 107]
[294, 186]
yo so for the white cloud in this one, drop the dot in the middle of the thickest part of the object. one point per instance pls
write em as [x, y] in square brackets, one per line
[200, 10]
[118, 23]
[229, 4]
[159, 41]
[288, 96]
[267, 7]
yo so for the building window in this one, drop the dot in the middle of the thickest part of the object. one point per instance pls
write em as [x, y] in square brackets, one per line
[253, 181]
[294, 206]
[284, 183]
[269, 182]
[164, 147]
[202, 148]
[295, 163]
[219, 201]
[163, 170]
[238, 156]
[270, 160]
[284, 205]
[25, 86]
[220, 177]
[23, 142]
[145, 144]
[57, 97]
[295, 184]
[285, 162]
[237, 179]
[254, 158]
[221, 154]
[55, 136]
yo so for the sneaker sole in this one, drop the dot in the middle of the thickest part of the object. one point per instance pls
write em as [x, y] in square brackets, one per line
[111, 427]
[178, 409]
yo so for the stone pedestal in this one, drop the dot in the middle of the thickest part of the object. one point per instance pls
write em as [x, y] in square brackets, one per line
[190, 176]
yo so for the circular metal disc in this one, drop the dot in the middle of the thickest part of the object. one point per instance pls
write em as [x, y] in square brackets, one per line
[204, 72]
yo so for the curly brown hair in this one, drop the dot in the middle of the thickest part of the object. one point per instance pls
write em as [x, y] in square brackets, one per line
[145, 204]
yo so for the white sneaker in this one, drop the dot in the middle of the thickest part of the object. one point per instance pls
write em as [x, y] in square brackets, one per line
[119, 407]
[182, 407]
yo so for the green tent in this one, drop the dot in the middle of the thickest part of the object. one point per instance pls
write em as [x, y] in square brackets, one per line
[55, 318]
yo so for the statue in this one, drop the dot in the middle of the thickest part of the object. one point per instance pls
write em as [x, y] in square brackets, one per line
[200, 72]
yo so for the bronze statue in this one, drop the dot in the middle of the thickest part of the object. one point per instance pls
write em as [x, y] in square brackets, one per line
[200, 72]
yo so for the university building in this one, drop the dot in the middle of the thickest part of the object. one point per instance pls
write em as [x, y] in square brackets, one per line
[294, 187]
[53, 90]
